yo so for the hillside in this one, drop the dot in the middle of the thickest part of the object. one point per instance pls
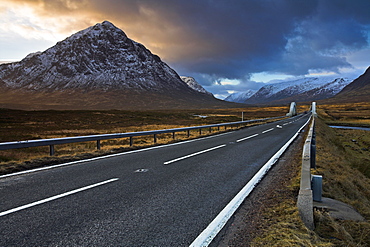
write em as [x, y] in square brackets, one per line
[357, 91]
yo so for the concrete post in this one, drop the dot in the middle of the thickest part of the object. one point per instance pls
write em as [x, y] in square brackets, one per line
[314, 108]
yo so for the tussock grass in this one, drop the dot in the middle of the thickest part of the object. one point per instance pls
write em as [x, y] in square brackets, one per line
[286, 229]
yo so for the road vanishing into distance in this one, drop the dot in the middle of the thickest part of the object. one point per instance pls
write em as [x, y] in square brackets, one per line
[160, 196]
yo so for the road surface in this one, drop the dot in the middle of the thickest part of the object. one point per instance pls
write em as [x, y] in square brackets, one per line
[160, 196]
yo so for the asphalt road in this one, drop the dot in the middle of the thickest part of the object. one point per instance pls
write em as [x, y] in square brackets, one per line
[161, 196]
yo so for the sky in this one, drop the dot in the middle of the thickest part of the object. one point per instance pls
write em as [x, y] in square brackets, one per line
[226, 45]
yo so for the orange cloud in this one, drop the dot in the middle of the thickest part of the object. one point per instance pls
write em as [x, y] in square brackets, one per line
[160, 30]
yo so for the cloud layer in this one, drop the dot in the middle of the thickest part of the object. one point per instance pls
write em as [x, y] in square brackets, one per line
[216, 39]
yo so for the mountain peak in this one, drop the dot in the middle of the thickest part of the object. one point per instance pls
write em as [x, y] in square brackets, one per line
[97, 68]
[97, 30]
[105, 25]
[100, 56]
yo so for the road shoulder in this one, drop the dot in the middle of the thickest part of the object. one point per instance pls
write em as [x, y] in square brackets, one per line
[249, 221]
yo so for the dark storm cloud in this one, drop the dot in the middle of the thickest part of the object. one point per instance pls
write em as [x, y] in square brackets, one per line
[232, 39]
[235, 38]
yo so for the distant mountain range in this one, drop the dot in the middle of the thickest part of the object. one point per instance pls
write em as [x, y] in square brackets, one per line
[301, 90]
[98, 68]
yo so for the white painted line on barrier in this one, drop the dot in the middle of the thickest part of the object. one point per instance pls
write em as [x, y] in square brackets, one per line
[263, 132]
[56, 197]
[208, 234]
[194, 154]
[246, 138]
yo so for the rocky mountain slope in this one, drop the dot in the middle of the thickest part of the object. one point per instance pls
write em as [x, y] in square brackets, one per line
[356, 91]
[96, 68]
[192, 83]
[304, 89]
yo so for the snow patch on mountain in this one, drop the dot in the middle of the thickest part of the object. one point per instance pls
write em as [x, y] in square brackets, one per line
[240, 97]
[193, 84]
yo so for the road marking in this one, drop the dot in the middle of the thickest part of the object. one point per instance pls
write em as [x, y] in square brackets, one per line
[56, 197]
[285, 123]
[191, 155]
[208, 234]
[243, 139]
[263, 132]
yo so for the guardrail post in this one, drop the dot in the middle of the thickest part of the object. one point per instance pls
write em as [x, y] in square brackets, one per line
[313, 151]
[131, 141]
[52, 150]
[317, 188]
[173, 135]
[200, 131]
[155, 138]
[98, 144]
[188, 133]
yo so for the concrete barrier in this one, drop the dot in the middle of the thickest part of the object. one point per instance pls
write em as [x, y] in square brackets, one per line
[305, 196]
[292, 110]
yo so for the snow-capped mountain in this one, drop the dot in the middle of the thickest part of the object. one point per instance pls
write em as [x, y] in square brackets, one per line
[96, 68]
[304, 89]
[240, 97]
[101, 56]
[193, 84]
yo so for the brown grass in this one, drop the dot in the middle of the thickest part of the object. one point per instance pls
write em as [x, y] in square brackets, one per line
[16, 125]
[353, 114]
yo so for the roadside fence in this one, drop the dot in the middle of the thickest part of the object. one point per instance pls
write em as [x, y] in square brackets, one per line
[98, 138]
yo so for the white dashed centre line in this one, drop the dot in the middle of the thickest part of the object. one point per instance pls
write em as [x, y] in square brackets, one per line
[191, 155]
[267, 130]
[246, 138]
[56, 197]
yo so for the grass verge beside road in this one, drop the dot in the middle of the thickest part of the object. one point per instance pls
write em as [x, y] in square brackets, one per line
[343, 159]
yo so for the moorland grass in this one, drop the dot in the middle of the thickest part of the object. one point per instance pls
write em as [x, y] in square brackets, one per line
[17, 125]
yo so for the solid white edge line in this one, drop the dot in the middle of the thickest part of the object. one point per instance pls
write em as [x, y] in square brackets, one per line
[263, 132]
[246, 138]
[56, 197]
[208, 234]
[108, 156]
[194, 154]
